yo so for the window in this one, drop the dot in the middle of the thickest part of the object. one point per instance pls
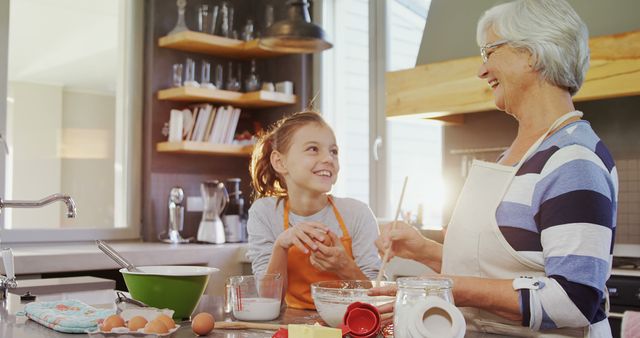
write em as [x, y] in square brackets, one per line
[345, 89]
[415, 146]
[72, 119]
[351, 104]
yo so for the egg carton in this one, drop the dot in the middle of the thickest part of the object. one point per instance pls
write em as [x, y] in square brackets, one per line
[123, 332]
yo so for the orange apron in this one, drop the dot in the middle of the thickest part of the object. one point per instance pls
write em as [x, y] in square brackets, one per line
[300, 272]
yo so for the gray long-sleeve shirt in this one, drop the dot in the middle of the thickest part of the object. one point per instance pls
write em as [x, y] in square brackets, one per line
[266, 223]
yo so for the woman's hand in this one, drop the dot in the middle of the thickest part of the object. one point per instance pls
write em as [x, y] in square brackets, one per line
[334, 258]
[386, 310]
[388, 290]
[407, 242]
[304, 235]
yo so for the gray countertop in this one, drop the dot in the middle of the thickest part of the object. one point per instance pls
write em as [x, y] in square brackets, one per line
[84, 256]
[16, 326]
[33, 260]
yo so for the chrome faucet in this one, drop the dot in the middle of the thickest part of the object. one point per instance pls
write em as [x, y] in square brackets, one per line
[9, 281]
[71, 205]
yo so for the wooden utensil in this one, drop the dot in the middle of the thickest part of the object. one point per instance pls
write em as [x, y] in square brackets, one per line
[248, 325]
[393, 225]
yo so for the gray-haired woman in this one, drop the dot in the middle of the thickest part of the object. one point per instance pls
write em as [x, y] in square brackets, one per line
[530, 240]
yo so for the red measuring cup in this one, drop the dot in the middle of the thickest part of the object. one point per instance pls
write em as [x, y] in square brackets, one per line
[361, 320]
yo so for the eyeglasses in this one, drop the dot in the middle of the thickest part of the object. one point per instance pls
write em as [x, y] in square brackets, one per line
[484, 50]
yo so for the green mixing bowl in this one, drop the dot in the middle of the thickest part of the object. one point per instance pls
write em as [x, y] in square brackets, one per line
[178, 288]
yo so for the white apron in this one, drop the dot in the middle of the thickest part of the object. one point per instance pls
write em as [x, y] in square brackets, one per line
[474, 245]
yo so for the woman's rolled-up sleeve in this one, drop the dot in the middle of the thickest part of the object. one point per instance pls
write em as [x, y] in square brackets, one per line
[576, 220]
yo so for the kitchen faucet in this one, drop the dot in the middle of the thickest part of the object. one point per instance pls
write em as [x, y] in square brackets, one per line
[9, 281]
[71, 205]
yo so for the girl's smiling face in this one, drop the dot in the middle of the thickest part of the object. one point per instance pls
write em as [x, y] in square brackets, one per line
[311, 163]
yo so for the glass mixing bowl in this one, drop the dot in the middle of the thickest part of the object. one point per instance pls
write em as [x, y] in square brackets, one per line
[333, 297]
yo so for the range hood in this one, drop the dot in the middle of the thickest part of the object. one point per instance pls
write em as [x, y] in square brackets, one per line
[444, 85]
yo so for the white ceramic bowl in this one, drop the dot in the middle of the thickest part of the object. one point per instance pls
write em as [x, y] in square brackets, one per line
[332, 298]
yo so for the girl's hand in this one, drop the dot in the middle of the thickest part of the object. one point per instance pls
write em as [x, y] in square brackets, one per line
[406, 241]
[303, 235]
[333, 258]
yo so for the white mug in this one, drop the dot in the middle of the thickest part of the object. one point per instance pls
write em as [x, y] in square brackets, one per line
[268, 86]
[285, 87]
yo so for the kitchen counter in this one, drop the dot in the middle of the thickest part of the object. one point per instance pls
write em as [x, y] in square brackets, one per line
[12, 326]
[33, 260]
[65, 257]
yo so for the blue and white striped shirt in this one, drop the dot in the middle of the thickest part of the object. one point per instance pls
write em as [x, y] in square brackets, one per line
[560, 211]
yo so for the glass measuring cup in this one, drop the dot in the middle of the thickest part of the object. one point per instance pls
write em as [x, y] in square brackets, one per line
[255, 297]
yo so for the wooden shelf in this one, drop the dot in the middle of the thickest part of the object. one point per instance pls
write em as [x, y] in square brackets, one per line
[259, 99]
[443, 89]
[191, 41]
[190, 147]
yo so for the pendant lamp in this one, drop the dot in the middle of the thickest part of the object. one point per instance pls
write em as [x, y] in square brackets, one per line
[296, 34]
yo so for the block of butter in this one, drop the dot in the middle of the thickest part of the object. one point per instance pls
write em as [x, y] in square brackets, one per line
[313, 331]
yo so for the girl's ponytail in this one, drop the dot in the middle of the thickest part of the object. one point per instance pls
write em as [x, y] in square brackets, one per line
[264, 178]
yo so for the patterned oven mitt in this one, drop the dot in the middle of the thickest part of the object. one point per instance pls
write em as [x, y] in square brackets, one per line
[70, 316]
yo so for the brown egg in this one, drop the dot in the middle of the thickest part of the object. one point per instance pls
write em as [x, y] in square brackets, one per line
[327, 241]
[111, 322]
[167, 321]
[136, 323]
[202, 323]
[156, 326]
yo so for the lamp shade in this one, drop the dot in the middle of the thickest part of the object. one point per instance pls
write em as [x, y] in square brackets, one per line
[296, 34]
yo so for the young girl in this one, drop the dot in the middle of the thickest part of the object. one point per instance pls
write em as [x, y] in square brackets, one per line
[295, 227]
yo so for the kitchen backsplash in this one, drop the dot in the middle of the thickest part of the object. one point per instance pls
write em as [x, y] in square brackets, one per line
[628, 230]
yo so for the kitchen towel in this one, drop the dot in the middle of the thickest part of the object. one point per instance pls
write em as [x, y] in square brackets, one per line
[70, 316]
[630, 324]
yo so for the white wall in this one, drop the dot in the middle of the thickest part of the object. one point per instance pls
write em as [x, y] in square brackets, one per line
[87, 156]
[33, 138]
[63, 141]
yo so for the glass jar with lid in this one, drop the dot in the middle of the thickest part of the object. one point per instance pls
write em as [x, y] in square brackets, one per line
[413, 293]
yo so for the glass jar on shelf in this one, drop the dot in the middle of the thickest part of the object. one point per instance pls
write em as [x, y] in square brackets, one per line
[252, 82]
[225, 25]
[233, 83]
[204, 18]
[219, 77]
[247, 33]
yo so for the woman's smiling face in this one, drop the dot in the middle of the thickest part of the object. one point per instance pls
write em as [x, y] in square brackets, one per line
[311, 162]
[508, 72]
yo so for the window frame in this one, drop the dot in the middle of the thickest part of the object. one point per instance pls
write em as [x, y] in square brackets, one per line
[379, 183]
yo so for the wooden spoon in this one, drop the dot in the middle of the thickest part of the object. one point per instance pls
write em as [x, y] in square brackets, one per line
[249, 325]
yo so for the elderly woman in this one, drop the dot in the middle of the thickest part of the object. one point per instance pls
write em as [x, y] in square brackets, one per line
[530, 240]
